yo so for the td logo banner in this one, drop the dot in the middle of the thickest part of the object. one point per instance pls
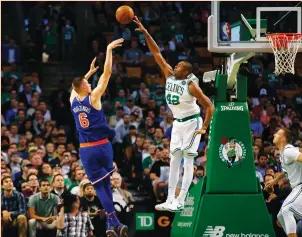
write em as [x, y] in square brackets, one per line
[144, 221]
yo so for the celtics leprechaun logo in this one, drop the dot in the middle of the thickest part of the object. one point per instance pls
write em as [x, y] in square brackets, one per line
[231, 151]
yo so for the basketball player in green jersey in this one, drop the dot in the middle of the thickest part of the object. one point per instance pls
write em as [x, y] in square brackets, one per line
[182, 92]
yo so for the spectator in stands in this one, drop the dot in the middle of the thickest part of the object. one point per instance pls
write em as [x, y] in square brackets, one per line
[50, 39]
[199, 173]
[269, 193]
[26, 191]
[122, 199]
[71, 221]
[79, 176]
[117, 119]
[36, 160]
[58, 186]
[65, 162]
[26, 95]
[258, 142]
[59, 156]
[134, 55]
[33, 106]
[33, 183]
[121, 97]
[11, 113]
[270, 171]
[32, 150]
[50, 150]
[21, 176]
[122, 130]
[163, 159]
[257, 67]
[262, 163]
[159, 96]
[122, 31]
[34, 86]
[57, 169]
[46, 172]
[15, 166]
[161, 188]
[148, 157]
[42, 213]
[38, 122]
[11, 52]
[130, 107]
[44, 110]
[91, 204]
[151, 15]
[13, 208]
[256, 125]
[68, 40]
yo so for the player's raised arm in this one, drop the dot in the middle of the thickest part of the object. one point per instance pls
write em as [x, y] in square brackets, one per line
[97, 93]
[91, 71]
[205, 102]
[154, 49]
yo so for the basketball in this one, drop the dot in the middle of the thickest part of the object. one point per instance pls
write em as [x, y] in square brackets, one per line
[124, 14]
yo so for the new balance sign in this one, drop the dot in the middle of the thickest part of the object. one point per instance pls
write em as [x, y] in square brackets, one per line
[219, 231]
[216, 231]
[144, 221]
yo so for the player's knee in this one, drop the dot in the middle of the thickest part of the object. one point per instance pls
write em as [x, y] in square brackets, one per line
[190, 154]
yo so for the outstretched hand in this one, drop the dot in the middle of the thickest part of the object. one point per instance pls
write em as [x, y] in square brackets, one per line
[116, 43]
[140, 28]
[93, 69]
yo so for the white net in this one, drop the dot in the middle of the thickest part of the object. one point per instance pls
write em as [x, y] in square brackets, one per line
[285, 47]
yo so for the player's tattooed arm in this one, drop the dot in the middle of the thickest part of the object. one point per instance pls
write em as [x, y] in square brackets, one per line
[154, 49]
[205, 102]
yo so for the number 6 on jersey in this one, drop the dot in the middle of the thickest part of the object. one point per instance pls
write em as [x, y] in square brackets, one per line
[84, 122]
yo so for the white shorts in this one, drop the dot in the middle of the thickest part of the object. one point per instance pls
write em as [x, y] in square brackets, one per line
[294, 201]
[183, 136]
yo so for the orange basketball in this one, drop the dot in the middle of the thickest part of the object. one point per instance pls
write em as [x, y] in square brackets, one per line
[124, 14]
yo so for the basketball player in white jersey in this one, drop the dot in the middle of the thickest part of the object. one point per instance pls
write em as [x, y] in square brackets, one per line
[291, 162]
[182, 91]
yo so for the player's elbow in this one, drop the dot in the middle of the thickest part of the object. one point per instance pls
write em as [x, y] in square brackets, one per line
[108, 73]
[208, 106]
[211, 108]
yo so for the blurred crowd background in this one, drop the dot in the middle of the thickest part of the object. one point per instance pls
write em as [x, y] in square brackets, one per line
[45, 44]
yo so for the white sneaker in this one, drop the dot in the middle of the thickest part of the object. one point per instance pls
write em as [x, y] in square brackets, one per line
[163, 206]
[176, 206]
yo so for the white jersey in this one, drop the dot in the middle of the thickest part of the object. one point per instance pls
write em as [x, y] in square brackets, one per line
[179, 99]
[290, 165]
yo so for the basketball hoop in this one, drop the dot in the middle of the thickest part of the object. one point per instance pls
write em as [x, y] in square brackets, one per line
[285, 47]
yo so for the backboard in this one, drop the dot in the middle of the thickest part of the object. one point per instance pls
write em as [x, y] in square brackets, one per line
[242, 26]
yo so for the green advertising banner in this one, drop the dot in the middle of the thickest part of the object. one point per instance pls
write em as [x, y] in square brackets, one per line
[237, 215]
[230, 163]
